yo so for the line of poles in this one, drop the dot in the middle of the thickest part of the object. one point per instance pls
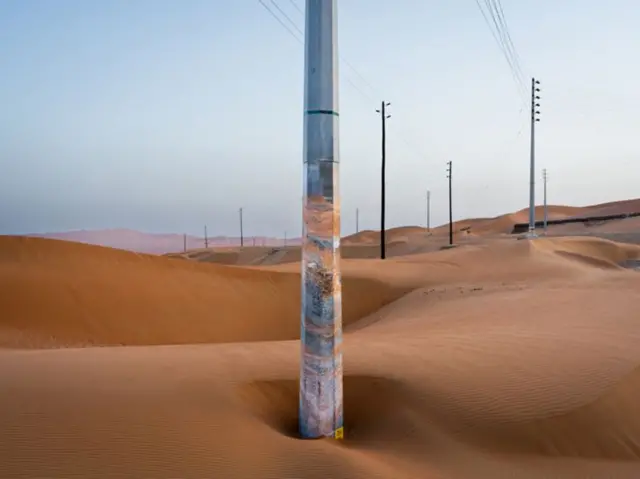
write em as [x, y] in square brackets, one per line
[242, 238]
[535, 118]
[384, 116]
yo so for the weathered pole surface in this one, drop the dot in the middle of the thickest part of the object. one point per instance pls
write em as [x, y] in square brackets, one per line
[321, 409]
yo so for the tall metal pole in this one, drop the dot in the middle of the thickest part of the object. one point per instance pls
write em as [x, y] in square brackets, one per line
[383, 116]
[544, 181]
[285, 239]
[450, 175]
[184, 242]
[206, 238]
[357, 220]
[241, 230]
[428, 211]
[532, 164]
[321, 407]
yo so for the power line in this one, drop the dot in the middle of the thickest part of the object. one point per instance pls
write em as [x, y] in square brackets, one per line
[497, 15]
[500, 11]
[500, 22]
[300, 40]
[342, 59]
[295, 5]
[291, 32]
[506, 147]
[503, 39]
[493, 33]
[275, 4]
[353, 69]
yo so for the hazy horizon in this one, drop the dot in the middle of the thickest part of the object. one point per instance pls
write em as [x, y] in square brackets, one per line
[164, 116]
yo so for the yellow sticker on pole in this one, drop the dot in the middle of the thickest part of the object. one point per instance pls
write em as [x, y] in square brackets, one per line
[339, 434]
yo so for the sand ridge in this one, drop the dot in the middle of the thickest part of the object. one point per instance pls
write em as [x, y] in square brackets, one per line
[496, 358]
[57, 293]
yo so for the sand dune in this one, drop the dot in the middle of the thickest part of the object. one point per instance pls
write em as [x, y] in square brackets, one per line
[613, 208]
[57, 293]
[497, 358]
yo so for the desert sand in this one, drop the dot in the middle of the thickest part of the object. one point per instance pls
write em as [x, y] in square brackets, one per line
[496, 358]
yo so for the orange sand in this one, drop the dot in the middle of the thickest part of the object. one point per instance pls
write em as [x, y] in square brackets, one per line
[497, 358]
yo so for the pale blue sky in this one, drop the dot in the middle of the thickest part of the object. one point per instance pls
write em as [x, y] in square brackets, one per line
[163, 115]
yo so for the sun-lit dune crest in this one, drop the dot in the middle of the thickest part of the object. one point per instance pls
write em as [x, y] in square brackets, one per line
[362, 237]
[613, 208]
[503, 224]
[594, 251]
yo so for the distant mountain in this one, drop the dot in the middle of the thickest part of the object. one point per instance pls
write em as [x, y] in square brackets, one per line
[153, 243]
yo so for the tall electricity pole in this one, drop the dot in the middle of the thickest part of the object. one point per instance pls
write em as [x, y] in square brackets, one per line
[285, 239]
[544, 182]
[384, 117]
[241, 230]
[206, 238]
[321, 407]
[357, 220]
[428, 211]
[449, 175]
[535, 117]
[184, 242]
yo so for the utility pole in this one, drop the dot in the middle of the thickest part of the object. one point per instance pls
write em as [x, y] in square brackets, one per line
[254, 241]
[206, 238]
[285, 239]
[449, 175]
[535, 117]
[357, 221]
[384, 117]
[241, 230]
[544, 181]
[184, 242]
[320, 411]
[428, 211]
